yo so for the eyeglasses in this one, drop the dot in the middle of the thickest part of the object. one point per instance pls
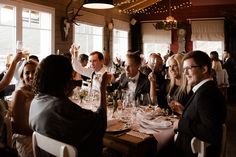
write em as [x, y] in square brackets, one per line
[190, 67]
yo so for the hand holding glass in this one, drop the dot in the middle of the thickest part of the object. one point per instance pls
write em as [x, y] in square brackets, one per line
[153, 63]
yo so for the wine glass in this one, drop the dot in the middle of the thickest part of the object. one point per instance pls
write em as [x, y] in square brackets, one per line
[145, 99]
[153, 63]
[27, 54]
[170, 101]
[19, 46]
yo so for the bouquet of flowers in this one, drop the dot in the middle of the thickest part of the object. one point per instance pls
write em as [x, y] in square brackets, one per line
[81, 94]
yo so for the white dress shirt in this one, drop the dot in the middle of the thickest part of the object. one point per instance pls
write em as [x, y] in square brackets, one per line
[133, 84]
[97, 78]
[196, 87]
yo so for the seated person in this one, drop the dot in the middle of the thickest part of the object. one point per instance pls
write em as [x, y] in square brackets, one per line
[133, 80]
[205, 112]
[53, 114]
[4, 151]
[174, 91]
[21, 101]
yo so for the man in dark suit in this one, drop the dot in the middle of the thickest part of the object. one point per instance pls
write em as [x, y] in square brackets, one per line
[133, 80]
[205, 111]
[230, 66]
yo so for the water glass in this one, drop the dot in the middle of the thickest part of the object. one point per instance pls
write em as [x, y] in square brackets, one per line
[145, 99]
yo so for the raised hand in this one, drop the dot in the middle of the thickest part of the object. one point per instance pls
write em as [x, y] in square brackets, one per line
[18, 57]
[74, 50]
[152, 77]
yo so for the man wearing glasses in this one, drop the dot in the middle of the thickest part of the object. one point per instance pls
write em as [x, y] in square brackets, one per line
[205, 111]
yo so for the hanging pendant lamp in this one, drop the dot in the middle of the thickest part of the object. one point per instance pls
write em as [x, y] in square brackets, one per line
[98, 4]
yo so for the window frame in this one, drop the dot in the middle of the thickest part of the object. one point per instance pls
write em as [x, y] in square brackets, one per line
[32, 6]
[89, 24]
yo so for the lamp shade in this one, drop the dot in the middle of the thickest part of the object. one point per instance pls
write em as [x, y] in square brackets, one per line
[98, 4]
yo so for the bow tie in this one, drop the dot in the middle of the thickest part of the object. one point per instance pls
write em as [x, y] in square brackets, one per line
[132, 80]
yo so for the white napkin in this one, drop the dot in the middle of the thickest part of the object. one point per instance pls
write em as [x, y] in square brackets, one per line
[155, 124]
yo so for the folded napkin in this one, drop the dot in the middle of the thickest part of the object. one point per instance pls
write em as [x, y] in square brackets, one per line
[155, 124]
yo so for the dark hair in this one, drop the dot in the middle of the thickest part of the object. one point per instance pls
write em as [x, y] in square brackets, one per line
[53, 75]
[135, 56]
[34, 57]
[201, 58]
[100, 55]
[83, 57]
[215, 55]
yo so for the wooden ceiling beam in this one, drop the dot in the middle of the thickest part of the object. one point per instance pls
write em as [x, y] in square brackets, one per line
[137, 4]
[132, 4]
[143, 5]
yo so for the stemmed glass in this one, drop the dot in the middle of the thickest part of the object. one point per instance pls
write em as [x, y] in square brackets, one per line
[170, 101]
[19, 46]
[153, 63]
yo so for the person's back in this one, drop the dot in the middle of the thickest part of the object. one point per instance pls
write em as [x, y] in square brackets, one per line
[53, 114]
[65, 121]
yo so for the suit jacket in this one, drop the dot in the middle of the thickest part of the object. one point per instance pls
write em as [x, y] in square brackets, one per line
[61, 119]
[143, 84]
[229, 65]
[204, 114]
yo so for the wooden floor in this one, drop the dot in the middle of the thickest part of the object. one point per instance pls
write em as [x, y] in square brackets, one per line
[231, 130]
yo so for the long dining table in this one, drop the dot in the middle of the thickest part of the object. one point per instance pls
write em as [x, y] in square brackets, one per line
[133, 132]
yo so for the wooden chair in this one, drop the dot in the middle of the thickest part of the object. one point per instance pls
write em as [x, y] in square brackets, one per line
[199, 146]
[52, 146]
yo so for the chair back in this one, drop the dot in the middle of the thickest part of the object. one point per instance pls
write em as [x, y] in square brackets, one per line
[52, 146]
[199, 146]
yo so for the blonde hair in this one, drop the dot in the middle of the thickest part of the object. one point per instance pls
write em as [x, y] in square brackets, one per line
[216, 65]
[183, 88]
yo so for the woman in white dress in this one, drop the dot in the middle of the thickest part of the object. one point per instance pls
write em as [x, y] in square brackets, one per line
[20, 111]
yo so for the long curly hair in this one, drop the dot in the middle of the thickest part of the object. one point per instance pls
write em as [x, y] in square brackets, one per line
[53, 76]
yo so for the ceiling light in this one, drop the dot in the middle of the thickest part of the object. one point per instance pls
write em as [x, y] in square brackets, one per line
[98, 4]
[170, 22]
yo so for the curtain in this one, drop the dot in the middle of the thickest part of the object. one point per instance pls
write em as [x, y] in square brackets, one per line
[212, 30]
[136, 38]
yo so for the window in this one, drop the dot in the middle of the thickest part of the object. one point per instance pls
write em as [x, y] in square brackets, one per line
[208, 36]
[161, 48]
[7, 32]
[31, 23]
[120, 43]
[157, 41]
[90, 38]
[208, 46]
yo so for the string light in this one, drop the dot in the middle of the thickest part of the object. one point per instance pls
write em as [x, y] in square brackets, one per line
[155, 8]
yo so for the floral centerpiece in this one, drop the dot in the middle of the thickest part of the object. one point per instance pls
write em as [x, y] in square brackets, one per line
[81, 94]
